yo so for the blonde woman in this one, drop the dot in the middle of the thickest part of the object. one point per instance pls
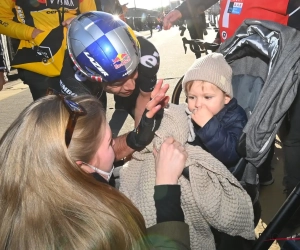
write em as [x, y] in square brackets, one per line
[50, 198]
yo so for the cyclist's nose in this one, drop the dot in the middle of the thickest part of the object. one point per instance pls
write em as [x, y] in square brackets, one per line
[129, 85]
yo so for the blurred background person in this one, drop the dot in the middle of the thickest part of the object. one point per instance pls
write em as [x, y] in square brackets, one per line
[37, 26]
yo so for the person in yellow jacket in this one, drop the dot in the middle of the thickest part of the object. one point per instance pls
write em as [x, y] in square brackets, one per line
[38, 27]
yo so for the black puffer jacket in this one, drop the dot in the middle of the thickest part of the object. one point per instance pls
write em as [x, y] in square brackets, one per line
[220, 134]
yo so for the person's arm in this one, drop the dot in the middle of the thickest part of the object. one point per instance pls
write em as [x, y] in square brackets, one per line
[141, 102]
[191, 7]
[170, 232]
[185, 10]
[11, 28]
[167, 203]
[121, 148]
[169, 163]
[146, 80]
[143, 134]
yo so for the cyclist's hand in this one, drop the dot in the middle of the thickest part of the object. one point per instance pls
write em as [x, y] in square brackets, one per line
[170, 18]
[202, 115]
[159, 100]
[143, 134]
[169, 162]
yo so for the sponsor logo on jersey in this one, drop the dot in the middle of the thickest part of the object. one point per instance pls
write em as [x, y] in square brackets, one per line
[150, 61]
[55, 11]
[5, 24]
[224, 35]
[66, 90]
[45, 54]
[121, 60]
[20, 14]
[96, 64]
[62, 2]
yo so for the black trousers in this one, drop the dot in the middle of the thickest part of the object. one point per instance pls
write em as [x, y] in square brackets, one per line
[291, 150]
[38, 84]
[291, 146]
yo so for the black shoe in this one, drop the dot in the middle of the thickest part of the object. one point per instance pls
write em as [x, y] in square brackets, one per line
[266, 179]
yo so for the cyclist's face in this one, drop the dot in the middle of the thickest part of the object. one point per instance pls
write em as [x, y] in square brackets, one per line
[125, 88]
[204, 93]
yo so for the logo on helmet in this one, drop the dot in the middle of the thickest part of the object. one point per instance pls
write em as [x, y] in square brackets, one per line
[96, 64]
[121, 60]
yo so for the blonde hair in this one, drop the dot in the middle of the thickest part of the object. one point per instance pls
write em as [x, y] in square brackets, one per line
[46, 200]
[189, 84]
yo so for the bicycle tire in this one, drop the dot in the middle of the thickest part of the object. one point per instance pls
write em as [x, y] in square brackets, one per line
[177, 91]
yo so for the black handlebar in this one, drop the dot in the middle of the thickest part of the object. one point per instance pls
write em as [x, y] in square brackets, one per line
[199, 45]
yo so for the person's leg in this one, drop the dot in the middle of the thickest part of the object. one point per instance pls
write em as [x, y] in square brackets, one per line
[2, 79]
[2, 69]
[38, 84]
[264, 171]
[291, 150]
[291, 147]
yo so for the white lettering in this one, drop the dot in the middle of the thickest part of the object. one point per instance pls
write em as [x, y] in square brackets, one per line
[149, 61]
[65, 90]
[63, 2]
[96, 64]
[20, 14]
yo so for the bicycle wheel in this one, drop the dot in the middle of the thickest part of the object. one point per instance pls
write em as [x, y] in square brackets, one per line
[178, 95]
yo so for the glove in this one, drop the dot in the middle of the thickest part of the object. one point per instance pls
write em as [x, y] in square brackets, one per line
[143, 134]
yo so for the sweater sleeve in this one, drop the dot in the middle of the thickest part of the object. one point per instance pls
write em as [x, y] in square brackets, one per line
[222, 141]
[167, 203]
[188, 7]
[9, 27]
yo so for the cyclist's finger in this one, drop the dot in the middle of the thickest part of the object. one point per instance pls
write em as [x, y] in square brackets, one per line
[156, 88]
[153, 111]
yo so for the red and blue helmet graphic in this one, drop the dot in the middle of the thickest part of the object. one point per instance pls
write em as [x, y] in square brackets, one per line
[102, 46]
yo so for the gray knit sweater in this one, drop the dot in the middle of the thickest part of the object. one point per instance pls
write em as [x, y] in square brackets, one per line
[212, 197]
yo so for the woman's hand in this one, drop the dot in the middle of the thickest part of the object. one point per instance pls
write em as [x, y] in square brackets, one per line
[169, 162]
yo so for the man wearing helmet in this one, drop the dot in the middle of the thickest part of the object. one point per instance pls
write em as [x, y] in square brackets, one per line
[106, 56]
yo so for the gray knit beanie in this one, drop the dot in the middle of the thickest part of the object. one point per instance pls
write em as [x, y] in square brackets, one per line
[211, 68]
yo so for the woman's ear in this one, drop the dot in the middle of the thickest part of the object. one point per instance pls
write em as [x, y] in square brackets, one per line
[79, 163]
[84, 167]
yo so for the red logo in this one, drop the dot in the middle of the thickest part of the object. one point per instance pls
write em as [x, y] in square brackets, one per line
[121, 60]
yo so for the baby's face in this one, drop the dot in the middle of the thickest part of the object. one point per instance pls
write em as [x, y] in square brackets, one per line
[205, 93]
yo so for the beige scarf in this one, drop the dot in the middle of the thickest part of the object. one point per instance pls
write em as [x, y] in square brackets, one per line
[212, 198]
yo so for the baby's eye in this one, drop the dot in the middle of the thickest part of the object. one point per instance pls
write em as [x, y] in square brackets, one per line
[208, 97]
[191, 97]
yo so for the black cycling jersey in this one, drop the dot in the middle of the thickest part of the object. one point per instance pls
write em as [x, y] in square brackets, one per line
[73, 82]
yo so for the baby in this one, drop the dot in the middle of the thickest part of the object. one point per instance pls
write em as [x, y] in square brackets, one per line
[217, 119]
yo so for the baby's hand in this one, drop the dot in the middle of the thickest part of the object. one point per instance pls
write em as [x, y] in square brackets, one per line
[201, 115]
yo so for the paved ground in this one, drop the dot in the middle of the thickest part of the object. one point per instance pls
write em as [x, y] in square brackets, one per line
[174, 63]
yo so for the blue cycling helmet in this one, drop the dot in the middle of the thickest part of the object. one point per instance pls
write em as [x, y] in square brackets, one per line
[103, 47]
